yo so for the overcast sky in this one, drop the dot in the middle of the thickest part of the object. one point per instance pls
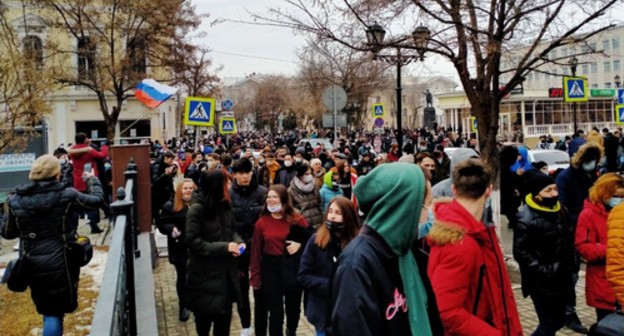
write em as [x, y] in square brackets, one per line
[243, 49]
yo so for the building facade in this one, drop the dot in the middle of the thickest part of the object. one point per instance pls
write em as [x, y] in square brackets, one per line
[76, 108]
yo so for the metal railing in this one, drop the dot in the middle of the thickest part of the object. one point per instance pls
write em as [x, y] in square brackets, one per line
[115, 311]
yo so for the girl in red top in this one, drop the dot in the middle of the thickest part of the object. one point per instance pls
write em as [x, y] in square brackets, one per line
[278, 239]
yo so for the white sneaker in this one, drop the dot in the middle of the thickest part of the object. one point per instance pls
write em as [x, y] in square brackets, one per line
[246, 332]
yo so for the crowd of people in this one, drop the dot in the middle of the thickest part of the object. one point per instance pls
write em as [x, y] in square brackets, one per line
[370, 239]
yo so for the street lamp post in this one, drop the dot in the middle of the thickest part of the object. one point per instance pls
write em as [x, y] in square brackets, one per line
[573, 65]
[375, 35]
[617, 81]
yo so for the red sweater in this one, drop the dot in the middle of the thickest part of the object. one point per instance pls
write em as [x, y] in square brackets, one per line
[269, 237]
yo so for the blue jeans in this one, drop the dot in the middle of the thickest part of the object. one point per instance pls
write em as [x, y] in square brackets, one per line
[52, 325]
[320, 333]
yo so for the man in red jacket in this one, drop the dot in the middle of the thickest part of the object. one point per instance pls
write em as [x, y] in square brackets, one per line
[83, 154]
[466, 267]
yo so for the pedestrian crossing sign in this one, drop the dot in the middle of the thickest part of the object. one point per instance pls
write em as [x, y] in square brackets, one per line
[575, 89]
[227, 125]
[619, 114]
[379, 111]
[199, 111]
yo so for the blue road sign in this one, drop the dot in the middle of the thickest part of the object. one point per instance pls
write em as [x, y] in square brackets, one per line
[575, 89]
[379, 122]
[378, 110]
[227, 105]
[619, 114]
[199, 111]
[620, 94]
[227, 125]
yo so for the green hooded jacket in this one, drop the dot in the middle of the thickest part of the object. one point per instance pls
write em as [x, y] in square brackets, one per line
[392, 196]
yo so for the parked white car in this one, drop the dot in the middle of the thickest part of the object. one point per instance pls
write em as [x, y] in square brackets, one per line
[554, 158]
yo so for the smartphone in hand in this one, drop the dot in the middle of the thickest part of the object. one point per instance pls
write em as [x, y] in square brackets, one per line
[86, 169]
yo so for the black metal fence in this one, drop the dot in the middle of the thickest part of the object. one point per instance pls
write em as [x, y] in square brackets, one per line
[115, 311]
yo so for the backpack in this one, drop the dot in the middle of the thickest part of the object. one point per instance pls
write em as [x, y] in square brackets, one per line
[421, 253]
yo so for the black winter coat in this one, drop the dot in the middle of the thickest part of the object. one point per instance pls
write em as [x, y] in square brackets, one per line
[363, 289]
[315, 273]
[39, 214]
[543, 247]
[212, 270]
[169, 219]
[247, 204]
[162, 186]
[285, 175]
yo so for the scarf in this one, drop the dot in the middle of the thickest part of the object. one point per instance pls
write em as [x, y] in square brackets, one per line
[304, 187]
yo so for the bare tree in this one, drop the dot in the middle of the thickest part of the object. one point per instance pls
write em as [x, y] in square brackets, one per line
[484, 40]
[323, 63]
[271, 100]
[24, 84]
[119, 43]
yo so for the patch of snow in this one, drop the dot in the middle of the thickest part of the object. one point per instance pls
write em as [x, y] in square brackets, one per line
[95, 269]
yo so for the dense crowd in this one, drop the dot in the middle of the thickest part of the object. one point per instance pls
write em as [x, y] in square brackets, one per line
[372, 239]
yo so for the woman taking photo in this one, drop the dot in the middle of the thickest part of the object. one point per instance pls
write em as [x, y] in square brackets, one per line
[172, 224]
[319, 259]
[305, 196]
[591, 241]
[278, 241]
[212, 278]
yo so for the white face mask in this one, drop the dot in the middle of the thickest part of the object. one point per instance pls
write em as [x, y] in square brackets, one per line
[274, 208]
[287, 163]
[308, 179]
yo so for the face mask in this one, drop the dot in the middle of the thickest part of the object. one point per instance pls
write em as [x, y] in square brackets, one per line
[275, 208]
[107, 166]
[62, 161]
[287, 163]
[298, 160]
[614, 201]
[308, 179]
[549, 202]
[334, 226]
[589, 166]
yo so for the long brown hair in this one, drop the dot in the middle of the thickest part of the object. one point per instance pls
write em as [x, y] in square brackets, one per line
[178, 201]
[291, 215]
[350, 221]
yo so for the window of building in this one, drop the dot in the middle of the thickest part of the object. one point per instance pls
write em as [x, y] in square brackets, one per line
[86, 58]
[617, 66]
[594, 67]
[33, 50]
[584, 69]
[615, 43]
[572, 51]
[593, 46]
[554, 54]
[607, 66]
[594, 86]
[530, 76]
[605, 45]
[607, 85]
[563, 52]
[137, 53]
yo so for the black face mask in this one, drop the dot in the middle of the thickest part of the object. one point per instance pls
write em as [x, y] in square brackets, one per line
[549, 202]
[333, 226]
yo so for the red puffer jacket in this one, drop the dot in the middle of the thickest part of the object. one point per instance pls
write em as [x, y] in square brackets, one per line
[468, 274]
[82, 154]
[591, 243]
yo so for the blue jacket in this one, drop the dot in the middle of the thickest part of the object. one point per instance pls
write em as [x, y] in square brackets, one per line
[327, 194]
[316, 270]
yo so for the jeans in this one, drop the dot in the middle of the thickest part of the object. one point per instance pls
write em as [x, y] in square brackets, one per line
[550, 313]
[52, 325]
[320, 333]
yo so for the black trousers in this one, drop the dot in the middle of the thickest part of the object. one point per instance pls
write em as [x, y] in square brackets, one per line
[280, 296]
[550, 311]
[244, 310]
[260, 312]
[221, 323]
[180, 268]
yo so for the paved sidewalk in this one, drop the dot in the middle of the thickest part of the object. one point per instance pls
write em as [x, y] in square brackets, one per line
[167, 302]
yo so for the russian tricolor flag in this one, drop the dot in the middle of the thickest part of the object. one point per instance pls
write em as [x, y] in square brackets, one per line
[151, 93]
